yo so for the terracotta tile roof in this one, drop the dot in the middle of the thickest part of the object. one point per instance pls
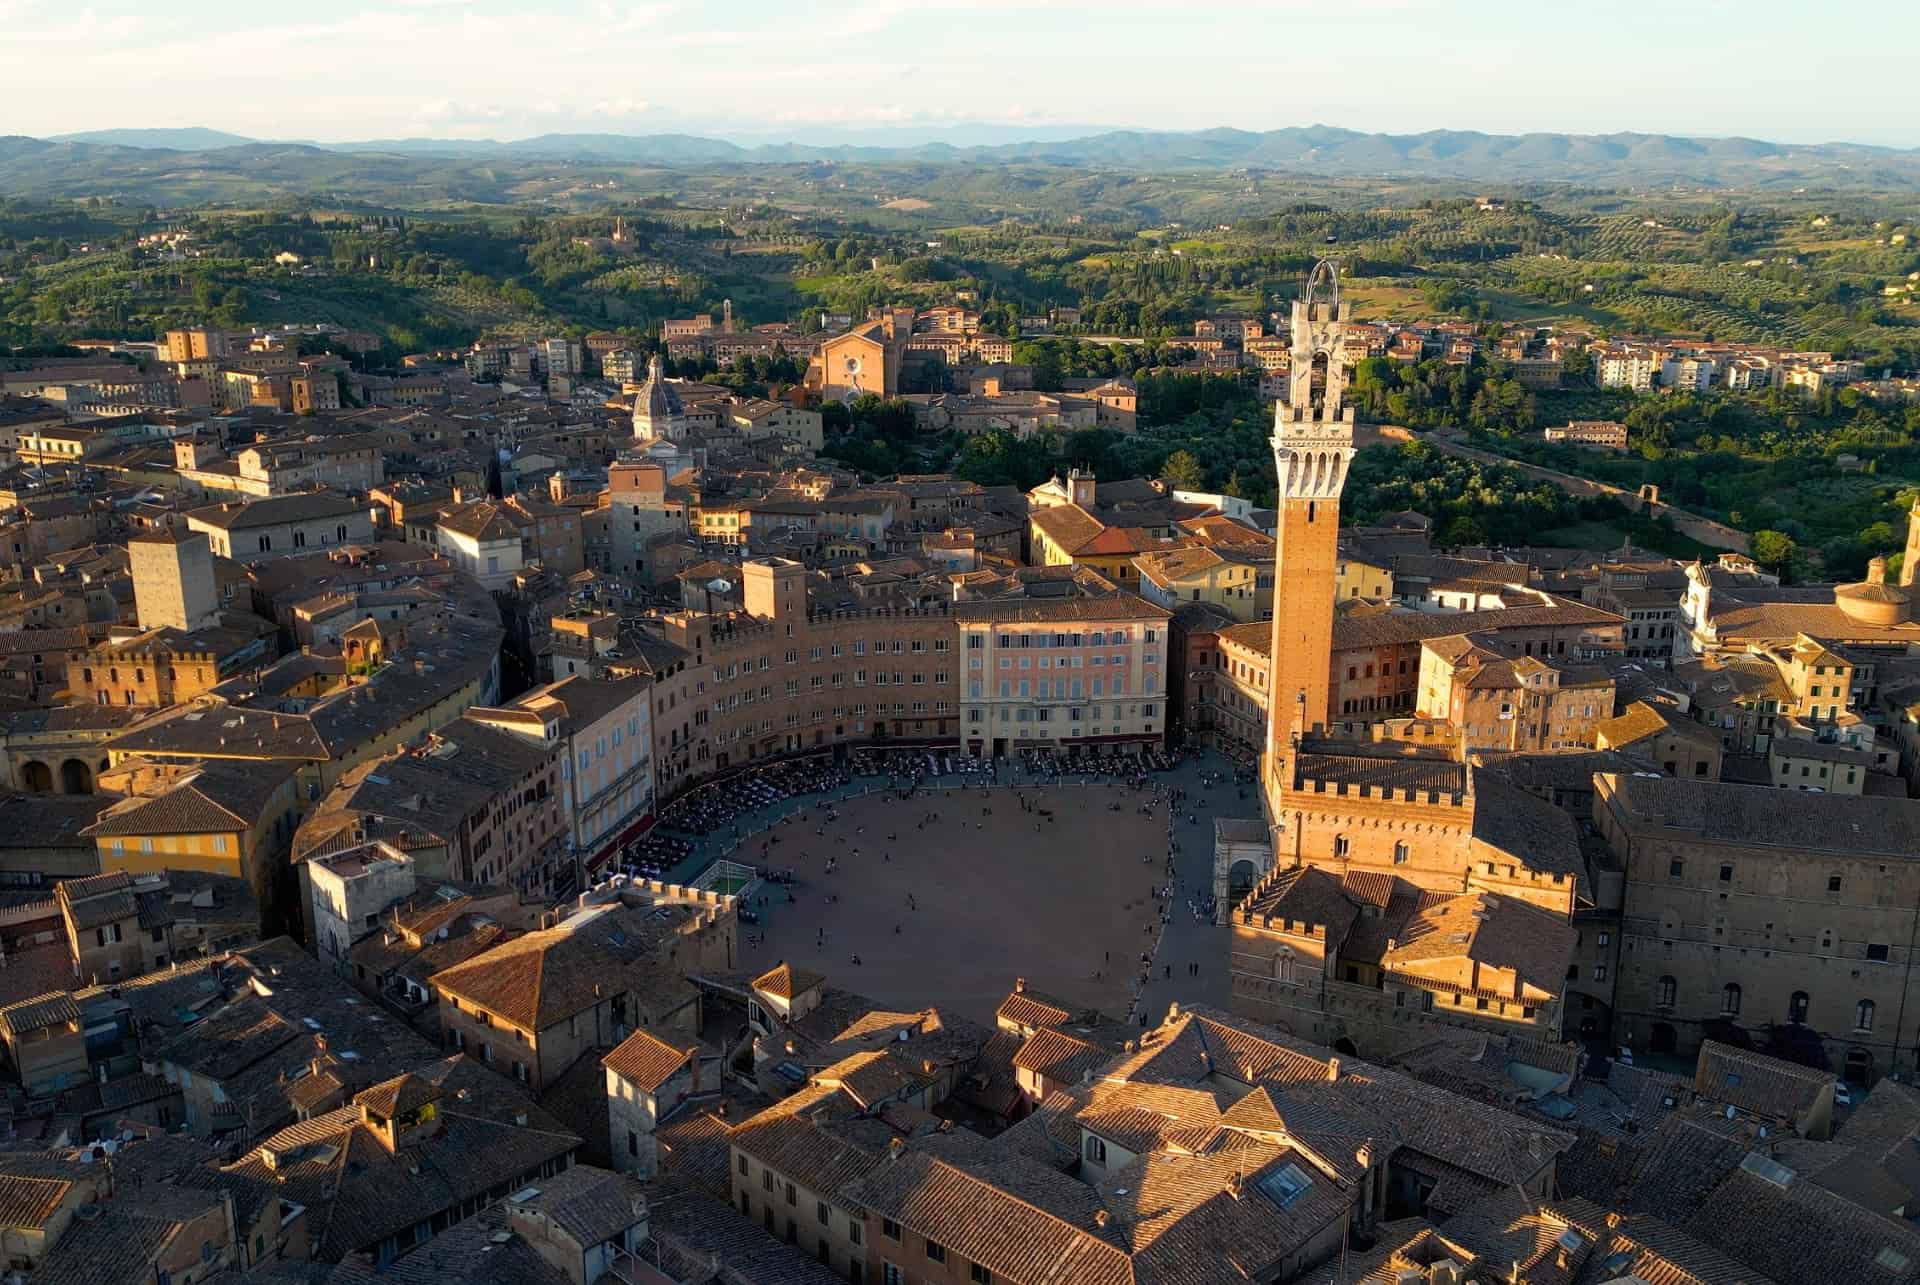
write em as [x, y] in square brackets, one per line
[1641, 720]
[309, 506]
[1525, 827]
[1754, 1082]
[1762, 815]
[27, 1202]
[1302, 893]
[482, 520]
[987, 1221]
[1388, 628]
[1059, 1056]
[594, 1206]
[545, 977]
[123, 1244]
[1081, 606]
[1142, 1117]
[694, 1231]
[872, 1079]
[1660, 1253]
[1068, 526]
[990, 1085]
[1876, 1163]
[219, 797]
[1779, 621]
[696, 1147]
[357, 1192]
[1490, 930]
[1023, 1007]
[51, 1009]
[815, 1137]
[1802, 1234]
[784, 981]
[1381, 772]
[396, 1097]
[1254, 636]
[1506, 1231]
[1166, 566]
[646, 1061]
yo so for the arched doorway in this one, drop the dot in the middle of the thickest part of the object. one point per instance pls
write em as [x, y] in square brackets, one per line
[1240, 881]
[76, 777]
[1859, 1067]
[1665, 1038]
[1346, 1046]
[36, 777]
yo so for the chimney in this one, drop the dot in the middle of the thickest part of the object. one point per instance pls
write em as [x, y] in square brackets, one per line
[1236, 1184]
[1019, 986]
[1333, 1070]
[896, 1148]
[1100, 1217]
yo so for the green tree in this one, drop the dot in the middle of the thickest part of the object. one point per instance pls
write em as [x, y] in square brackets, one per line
[1773, 549]
[1183, 471]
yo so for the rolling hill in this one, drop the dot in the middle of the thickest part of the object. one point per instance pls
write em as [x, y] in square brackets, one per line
[200, 165]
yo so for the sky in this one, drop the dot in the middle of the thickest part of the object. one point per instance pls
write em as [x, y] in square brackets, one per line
[763, 70]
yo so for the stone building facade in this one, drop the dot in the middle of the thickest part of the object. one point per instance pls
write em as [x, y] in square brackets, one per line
[1080, 671]
[781, 677]
[1756, 907]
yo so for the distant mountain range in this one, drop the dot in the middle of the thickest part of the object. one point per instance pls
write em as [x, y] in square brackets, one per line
[30, 166]
[193, 138]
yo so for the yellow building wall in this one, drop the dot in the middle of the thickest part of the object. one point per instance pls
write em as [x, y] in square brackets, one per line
[1233, 588]
[202, 852]
[1357, 579]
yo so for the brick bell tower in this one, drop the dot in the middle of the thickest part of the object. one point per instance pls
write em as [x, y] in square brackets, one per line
[1312, 447]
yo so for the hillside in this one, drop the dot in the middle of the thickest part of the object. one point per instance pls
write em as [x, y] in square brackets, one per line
[192, 138]
[194, 164]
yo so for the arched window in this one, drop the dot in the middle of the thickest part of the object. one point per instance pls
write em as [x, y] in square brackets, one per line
[1797, 1007]
[1730, 999]
[1400, 854]
[1340, 845]
[1283, 966]
[1096, 1150]
[1863, 1015]
[1663, 992]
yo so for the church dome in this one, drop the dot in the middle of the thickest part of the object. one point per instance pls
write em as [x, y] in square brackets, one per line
[1873, 601]
[657, 409]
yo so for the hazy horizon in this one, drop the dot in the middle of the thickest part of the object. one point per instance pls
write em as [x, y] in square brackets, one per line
[960, 134]
[760, 71]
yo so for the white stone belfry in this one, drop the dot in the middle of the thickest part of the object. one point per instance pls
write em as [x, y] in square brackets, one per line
[1313, 428]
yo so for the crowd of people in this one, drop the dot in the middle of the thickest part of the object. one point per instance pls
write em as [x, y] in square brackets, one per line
[720, 805]
[727, 809]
